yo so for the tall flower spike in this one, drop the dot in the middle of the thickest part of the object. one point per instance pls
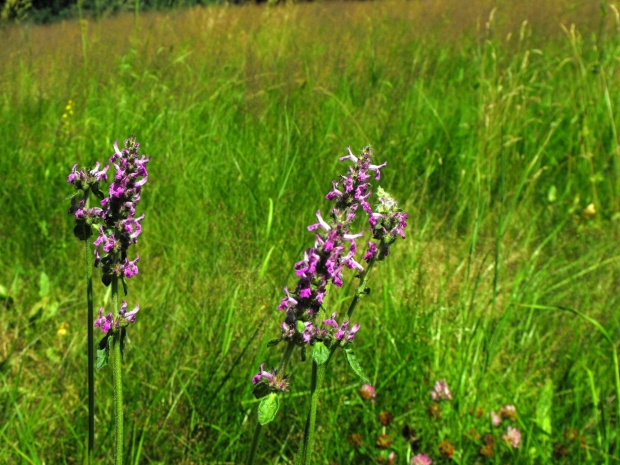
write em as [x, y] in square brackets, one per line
[334, 249]
[120, 228]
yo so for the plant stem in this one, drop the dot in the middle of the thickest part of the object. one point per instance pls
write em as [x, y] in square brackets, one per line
[318, 375]
[258, 428]
[91, 338]
[117, 377]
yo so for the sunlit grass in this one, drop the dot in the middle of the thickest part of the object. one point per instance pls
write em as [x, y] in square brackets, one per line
[499, 134]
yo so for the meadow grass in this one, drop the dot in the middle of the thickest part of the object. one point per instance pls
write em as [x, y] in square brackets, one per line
[500, 136]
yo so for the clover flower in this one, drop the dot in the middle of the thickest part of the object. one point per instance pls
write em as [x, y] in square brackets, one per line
[496, 419]
[441, 391]
[387, 222]
[367, 391]
[120, 228]
[513, 437]
[421, 459]
[508, 412]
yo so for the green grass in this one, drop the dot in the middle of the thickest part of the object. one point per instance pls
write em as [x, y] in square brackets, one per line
[498, 135]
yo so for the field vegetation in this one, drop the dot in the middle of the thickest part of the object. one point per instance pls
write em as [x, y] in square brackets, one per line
[497, 120]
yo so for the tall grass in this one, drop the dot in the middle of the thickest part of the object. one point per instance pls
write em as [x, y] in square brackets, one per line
[501, 127]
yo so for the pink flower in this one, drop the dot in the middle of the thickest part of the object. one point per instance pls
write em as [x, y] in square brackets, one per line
[368, 392]
[421, 459]
[513, 437]
[496, 419]
[441, 391]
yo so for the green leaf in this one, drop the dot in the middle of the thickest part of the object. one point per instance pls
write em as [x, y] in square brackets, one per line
[355, 365]
[44, 285]
[125, 288]
[303, 353]
[273, 342]
[320, 353]
[268, 408]
[75, 194]
[103, 352]
[543, 408]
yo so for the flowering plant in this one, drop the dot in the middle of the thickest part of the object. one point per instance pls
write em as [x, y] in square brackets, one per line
[118, 229]
[306, 322]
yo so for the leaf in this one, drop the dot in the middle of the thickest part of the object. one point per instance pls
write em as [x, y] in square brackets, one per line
[125, 288]
[273, 342]
[260, 390]
[552, 195]
[44, 285]
[103, 352]
[355, 365]
[320, 353]
[124, 341]
[543, 408]
[75, 194]
[303, 353]
[268, 408]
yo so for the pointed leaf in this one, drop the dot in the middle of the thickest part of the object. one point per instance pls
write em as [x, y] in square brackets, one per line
[75, 194]
[273, 342]
[268, 408]
[355, 365]
[103, 352]
[320, 353]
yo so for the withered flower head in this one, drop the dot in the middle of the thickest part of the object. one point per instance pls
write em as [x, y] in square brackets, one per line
[386, 418]
[446, 449]
[434, 410]
[384, 441]
[356, 440]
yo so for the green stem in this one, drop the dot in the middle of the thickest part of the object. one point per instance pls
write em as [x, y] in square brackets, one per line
[258, 428]
[318, 375]
[91, 339]
[117, 377]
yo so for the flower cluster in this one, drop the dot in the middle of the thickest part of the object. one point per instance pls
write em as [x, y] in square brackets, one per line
[87, 181]
[388, 222]
[106, 322]
[120, 227]
[513, 437]
[270, 379]
[421, 459]
[441, 391]
[334, 249]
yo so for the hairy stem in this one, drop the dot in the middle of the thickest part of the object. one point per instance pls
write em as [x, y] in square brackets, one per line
[117, 377]
[258, 428]
[91, 337]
